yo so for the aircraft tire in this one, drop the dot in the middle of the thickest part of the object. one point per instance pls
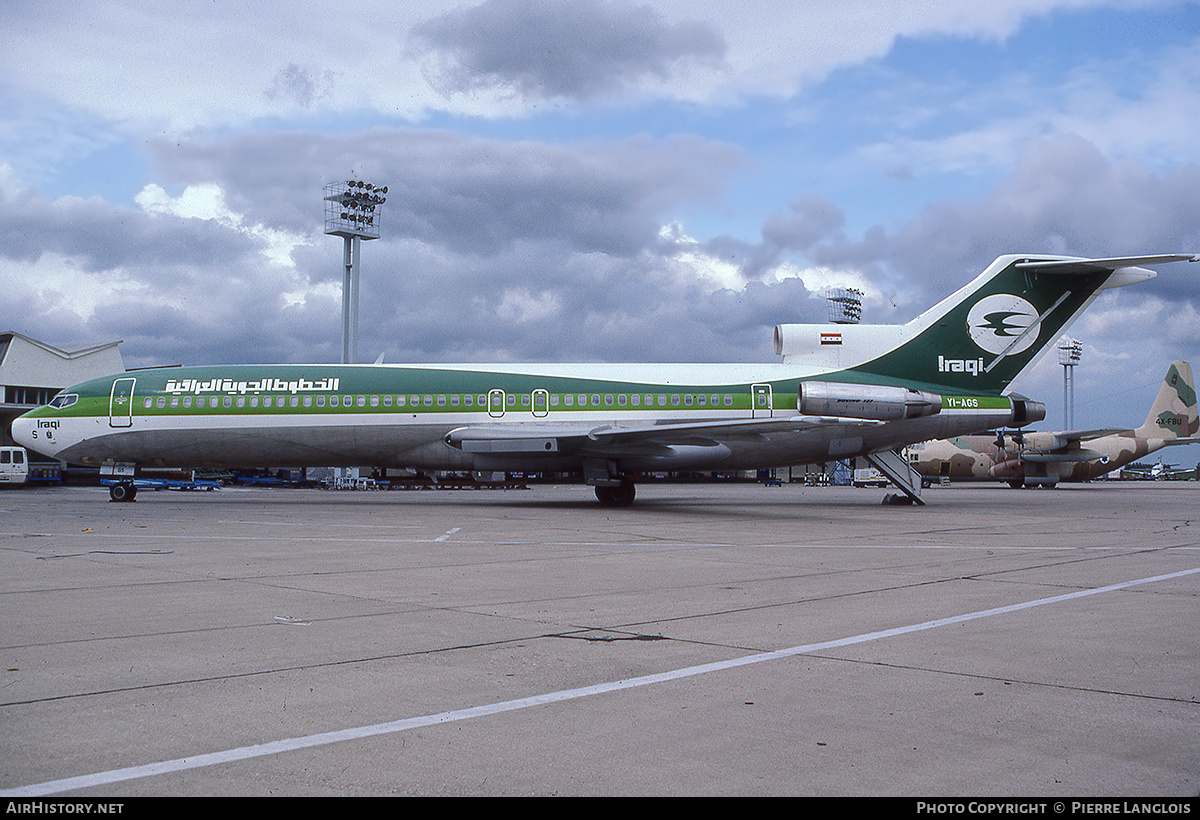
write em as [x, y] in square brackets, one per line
[620, 496]
[122, 492]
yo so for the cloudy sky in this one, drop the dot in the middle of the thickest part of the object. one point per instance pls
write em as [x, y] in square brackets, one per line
[591, 180]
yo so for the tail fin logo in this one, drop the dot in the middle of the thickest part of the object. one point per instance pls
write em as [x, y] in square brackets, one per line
[997, 320]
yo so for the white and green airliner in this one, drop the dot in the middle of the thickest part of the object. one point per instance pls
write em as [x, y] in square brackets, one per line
[840, 391]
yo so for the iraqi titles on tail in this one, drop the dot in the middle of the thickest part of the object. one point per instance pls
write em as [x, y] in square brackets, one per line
[840, 391]
[1024, 458]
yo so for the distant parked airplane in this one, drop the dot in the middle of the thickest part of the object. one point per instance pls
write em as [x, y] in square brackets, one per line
[1024, 459]
[1158, 472]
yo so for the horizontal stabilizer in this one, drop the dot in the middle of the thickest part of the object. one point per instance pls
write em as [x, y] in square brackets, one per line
[1101, 265]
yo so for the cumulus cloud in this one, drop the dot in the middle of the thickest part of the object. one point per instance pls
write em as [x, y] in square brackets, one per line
[188, 65]
[512, 251]
[549, 48]
[206, 201]
[297, 86]
[102, 236]
[470, 195]
[1063, 196]
[490, 249]
[168, 278]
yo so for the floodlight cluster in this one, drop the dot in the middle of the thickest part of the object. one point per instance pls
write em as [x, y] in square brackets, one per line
[354, 208]
[1070, 351]
[360, 200]
[845, 305]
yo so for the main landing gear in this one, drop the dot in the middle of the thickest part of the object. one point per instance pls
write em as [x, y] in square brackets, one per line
[617, 495]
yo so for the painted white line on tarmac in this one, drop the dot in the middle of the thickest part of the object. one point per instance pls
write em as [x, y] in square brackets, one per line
[326, 738]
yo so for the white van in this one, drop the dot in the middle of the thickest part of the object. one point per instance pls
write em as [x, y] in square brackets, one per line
[14, 465]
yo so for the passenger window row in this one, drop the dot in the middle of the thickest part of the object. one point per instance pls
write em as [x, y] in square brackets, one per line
[569, 400]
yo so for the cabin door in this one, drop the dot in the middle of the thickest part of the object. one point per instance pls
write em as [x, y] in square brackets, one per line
[120, 403]
[760, 400]
[496, 401]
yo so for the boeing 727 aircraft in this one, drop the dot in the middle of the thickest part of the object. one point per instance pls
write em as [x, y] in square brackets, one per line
[840, 391]
[1026, 459]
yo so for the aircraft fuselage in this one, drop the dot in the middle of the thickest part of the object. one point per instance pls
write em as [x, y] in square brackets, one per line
[403, 416]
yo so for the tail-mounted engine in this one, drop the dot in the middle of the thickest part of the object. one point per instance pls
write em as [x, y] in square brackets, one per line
[1027, 412]
[866, 401]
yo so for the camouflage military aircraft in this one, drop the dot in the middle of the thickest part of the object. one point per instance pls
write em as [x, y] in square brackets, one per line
[1024, 459]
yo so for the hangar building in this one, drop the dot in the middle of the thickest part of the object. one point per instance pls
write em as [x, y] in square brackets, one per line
[32, 372]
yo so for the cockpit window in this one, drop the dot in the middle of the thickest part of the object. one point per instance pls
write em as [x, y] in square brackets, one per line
[64, 400]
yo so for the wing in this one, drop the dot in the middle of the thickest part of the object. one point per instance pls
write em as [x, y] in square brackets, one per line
[612, 440]
[1066, 446]
[1047, 456]
[1067, 436]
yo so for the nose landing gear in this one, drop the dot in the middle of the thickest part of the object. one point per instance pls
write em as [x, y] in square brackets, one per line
[122, 491]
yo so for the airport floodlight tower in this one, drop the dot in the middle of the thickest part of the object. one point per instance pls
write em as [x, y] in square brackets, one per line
[1069, 352]
[352, 211]
[845, 305]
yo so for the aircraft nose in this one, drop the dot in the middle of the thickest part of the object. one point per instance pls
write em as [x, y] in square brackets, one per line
[21, 429]
[25, 431]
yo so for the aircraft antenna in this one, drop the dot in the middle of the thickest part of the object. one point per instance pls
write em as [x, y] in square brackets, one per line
[353, 211]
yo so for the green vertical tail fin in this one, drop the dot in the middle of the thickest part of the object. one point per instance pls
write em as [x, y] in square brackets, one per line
[990, 331]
